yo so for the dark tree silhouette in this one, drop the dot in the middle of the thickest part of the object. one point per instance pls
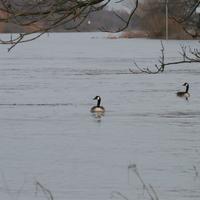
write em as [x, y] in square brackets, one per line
[188, 18]
[42, 16]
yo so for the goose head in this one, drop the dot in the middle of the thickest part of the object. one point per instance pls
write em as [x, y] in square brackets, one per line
[97, 98]
[186, 84]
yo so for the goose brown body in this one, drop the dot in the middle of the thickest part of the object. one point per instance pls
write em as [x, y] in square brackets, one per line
[97, 108]
[185, 93]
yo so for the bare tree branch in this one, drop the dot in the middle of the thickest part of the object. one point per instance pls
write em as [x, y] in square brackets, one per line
[188, 16]
[125, 22]
[42, 16]
[188, 56]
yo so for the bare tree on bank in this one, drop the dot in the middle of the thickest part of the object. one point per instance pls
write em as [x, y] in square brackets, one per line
[182, 24]
[188, 17]
[42, 16]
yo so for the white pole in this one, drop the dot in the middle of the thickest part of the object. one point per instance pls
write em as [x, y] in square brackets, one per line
[166, 20]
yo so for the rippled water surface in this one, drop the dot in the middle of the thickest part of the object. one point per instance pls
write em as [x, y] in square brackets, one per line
[48, 134]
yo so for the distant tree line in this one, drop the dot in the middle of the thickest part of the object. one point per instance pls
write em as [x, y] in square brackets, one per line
[42, 16]
[104, 19]
[93, 23]
[183, 20]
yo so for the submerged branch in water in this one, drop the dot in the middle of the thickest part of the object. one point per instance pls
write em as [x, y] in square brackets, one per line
[188, 56]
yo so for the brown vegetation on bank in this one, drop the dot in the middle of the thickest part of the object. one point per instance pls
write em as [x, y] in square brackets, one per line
[129, 34]
[149, 22]
[152, 20]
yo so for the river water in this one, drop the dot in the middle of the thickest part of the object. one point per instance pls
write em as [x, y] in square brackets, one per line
[49, 135]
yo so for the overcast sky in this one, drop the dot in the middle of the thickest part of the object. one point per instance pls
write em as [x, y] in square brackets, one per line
[125, 4]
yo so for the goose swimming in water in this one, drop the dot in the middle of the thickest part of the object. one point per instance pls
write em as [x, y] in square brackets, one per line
[185, 94]
[97, 108]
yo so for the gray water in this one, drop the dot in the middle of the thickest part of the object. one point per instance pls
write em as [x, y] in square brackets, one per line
[49, 135]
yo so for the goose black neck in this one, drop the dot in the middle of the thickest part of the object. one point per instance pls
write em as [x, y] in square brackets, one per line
[187, 88]
[98, 102]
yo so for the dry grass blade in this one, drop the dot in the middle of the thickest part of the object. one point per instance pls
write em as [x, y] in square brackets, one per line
[149, 190]
[44, 190]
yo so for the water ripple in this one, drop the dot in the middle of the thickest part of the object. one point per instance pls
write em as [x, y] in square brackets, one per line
[36, 104]
[179, 114]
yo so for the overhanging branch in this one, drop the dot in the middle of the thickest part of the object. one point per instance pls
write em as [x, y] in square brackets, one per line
[45, 15]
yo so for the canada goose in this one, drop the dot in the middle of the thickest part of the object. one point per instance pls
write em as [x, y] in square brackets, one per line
[97, 108]
[185, 94]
